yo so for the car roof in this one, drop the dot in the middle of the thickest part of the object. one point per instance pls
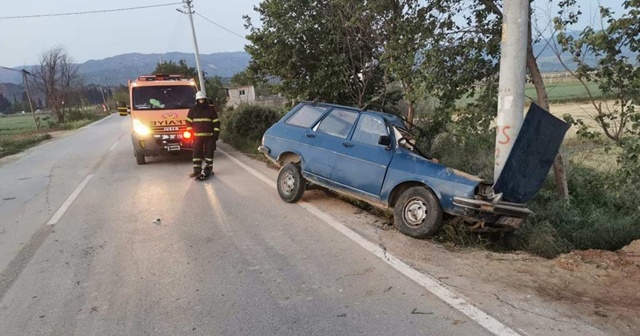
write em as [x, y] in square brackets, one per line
[393, 119]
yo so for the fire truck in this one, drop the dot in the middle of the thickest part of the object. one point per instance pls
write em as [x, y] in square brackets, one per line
[158, 105]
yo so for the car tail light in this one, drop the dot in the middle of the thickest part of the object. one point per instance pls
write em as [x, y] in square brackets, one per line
[186, 135]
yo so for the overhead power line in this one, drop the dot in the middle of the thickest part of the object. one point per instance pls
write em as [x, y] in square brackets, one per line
[232, 32]
[87, 12]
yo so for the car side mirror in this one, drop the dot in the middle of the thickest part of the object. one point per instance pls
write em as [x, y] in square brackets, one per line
[384, 140]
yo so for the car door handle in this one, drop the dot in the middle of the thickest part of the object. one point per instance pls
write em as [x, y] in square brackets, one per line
[309, 135]
[347, 144]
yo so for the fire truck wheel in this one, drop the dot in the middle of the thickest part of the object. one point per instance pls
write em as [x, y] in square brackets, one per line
[140, 158]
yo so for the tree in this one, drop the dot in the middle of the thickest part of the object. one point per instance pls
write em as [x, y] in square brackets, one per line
[315, 57]
[5, 104]
[180, 68]
[617, 50]
[56, 77]
[216, 92]
[243, 78]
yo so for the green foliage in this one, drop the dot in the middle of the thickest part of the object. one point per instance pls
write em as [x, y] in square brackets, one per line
[216, 92]
[243, 127]
[121, 94]
[602, 212]
[335, 60]
[180, 68]
[5, 104]
[616, 75]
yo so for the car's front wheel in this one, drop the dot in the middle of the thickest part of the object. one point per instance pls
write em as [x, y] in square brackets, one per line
[417, 213]
[291, 184]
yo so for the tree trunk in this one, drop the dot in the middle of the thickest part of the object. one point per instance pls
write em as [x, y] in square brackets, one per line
[559, 172]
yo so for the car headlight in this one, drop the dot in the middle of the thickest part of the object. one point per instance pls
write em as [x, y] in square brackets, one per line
[139, 128]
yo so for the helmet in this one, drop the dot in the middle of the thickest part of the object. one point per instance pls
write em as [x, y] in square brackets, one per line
[200, 95]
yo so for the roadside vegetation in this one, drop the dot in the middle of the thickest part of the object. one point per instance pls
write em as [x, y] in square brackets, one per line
[18, 132]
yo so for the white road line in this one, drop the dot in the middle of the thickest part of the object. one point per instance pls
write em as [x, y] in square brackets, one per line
[63, 208]
[114, 146]
[430, 283]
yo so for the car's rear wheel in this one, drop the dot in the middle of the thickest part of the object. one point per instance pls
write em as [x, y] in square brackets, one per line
[291, 184]
[417, 213]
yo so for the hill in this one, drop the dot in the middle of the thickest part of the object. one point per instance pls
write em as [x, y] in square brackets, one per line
[118, 69]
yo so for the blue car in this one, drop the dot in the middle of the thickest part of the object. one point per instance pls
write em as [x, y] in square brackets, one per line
[373, 157]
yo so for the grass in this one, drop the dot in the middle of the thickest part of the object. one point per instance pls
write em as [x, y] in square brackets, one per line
[18, 132]
[564, 92]
[17, 124]
[557, 93]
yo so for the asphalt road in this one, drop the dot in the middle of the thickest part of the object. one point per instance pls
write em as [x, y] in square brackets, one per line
[93, 244]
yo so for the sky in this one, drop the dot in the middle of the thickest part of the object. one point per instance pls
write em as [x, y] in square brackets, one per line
[102, 35]
[150, 30]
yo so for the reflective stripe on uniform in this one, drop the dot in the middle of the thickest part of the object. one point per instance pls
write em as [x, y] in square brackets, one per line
[203, 134]
[208, 160]
[197, 166]
[201, 119]
[197, 160]
[216, 130]
[215, 120]
[189, 119]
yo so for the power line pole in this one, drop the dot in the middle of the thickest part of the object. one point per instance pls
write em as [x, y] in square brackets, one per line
[26, 85]
[513, 58]
[188, 6]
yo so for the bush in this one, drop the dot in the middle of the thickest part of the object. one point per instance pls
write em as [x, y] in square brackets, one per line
[243, 127]
[602, 212]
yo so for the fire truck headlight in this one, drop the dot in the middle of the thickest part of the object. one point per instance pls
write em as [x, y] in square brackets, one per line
[139, 128]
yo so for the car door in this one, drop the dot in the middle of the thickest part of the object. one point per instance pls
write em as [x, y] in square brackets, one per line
[322, 142]
[361, 162]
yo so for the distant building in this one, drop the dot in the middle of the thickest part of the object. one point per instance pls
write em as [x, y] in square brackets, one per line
[241, 95]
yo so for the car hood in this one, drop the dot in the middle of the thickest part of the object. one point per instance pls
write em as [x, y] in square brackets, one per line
[532, 155]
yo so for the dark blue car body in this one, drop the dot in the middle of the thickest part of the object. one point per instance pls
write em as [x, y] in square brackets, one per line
[365, 155]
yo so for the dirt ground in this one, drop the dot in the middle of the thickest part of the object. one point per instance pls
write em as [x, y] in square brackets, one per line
[581, 293]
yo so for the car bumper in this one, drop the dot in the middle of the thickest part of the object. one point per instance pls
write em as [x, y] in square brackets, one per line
[159, 144]
[499, 213]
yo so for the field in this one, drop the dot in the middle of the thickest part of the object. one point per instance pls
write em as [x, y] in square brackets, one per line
[564, 91]
[18, 123]
[18, 132]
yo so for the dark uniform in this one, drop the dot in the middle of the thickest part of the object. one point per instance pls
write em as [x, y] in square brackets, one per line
[203, 121]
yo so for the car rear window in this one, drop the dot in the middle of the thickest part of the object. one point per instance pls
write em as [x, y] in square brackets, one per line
[306, 116]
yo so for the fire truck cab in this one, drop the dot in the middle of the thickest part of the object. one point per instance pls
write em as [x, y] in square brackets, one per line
[158, 105]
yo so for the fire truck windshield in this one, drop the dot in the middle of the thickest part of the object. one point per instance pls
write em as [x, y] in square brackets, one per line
[163, 97]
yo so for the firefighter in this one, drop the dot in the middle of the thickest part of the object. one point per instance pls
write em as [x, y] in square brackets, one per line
[203, 122]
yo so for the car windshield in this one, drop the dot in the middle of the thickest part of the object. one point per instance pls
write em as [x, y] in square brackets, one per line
[409, 141]
[163, 97]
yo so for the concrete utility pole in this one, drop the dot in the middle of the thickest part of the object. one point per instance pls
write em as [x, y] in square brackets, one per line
[188, 6]
[513, 58]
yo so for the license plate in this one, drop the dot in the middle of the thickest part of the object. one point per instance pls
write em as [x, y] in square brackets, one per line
[168, 129]
[510, 221]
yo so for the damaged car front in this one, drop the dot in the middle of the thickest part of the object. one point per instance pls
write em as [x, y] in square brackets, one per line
[468, 198]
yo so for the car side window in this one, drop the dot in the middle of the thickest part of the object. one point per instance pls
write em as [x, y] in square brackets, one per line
[369, 129]
[338, 123]
[306, 116]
